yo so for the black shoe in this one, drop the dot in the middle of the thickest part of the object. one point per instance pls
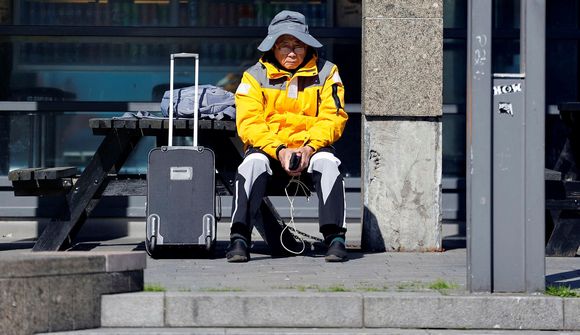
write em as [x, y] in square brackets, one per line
[336, 251]
[238, 252]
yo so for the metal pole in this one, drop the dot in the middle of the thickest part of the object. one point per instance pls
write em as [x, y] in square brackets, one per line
[479, 147]
[533, 64]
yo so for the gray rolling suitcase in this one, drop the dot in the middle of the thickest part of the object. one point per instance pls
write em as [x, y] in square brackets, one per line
[180, 190]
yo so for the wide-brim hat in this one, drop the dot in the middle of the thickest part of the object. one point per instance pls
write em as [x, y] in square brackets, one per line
[288, 23]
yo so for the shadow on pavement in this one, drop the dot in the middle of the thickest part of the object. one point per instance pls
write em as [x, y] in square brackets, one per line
[259, 250]
[569, 278]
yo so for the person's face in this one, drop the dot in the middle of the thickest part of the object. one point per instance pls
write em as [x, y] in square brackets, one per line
[289, 51]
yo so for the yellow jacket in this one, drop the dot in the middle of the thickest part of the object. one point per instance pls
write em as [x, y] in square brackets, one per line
[275, 108]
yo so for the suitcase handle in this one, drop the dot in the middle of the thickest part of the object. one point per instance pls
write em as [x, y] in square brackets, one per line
[184, 55]
[196, 94]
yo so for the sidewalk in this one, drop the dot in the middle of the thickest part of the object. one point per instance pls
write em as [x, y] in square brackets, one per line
[412, 290]
[390, 271]
[408, 286]
[363, 272]
[387, 271]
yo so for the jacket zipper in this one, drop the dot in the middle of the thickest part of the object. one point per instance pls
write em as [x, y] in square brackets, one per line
[317, 101]
[336, 98]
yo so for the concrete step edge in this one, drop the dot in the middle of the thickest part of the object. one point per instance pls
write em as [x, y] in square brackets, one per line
[339, 310]
[53, 263]
[295, 331]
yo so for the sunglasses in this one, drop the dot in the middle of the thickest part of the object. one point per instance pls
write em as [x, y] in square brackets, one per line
[286, 49]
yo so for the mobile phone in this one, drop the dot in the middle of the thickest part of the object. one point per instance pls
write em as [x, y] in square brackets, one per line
[294, 162]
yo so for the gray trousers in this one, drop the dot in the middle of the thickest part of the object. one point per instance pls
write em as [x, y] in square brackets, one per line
[257, 171]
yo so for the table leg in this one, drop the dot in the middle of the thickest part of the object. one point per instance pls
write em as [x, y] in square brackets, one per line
[227, 159]
[84, 196]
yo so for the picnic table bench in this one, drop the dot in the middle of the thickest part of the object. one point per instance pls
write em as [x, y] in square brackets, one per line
[42, 181]
[101, 176]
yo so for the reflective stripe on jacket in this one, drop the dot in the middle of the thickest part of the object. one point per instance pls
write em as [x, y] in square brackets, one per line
[274, 107]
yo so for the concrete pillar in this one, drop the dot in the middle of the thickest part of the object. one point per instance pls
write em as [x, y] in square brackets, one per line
[401, 121]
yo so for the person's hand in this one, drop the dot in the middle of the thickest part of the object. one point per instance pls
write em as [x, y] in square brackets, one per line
[305, 153]
[284, 156]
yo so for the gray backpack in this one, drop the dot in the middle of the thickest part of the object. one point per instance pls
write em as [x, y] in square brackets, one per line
[214, 103]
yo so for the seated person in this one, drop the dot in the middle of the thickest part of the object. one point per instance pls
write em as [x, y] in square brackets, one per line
[289, 102]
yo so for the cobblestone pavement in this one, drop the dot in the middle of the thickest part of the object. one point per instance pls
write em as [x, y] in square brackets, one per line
[364, 271]
[390, 271]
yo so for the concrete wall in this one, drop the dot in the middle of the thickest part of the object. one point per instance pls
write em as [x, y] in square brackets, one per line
[60, 291]
[401, 125]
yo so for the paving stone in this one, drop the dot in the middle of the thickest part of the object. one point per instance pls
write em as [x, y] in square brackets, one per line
[267, 309]
[142, 309]
[120, 262]
[572, 313]
[423, 310]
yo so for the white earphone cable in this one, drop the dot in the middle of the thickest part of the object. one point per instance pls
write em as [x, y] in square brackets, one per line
[300, 185]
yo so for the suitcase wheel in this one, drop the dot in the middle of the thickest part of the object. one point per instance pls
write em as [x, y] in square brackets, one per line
[150, 246]
[208, 243]
[151, 227]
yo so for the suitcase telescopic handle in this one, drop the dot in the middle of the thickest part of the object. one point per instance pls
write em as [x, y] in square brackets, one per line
[196, 94]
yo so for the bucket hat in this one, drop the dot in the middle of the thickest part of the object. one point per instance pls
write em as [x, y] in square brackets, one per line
[288, 23]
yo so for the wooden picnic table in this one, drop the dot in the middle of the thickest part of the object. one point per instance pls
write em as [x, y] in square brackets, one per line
[101, 176]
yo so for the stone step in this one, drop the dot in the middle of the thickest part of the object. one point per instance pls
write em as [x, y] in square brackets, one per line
[339, 310]
[300, 331]
[56, 291]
